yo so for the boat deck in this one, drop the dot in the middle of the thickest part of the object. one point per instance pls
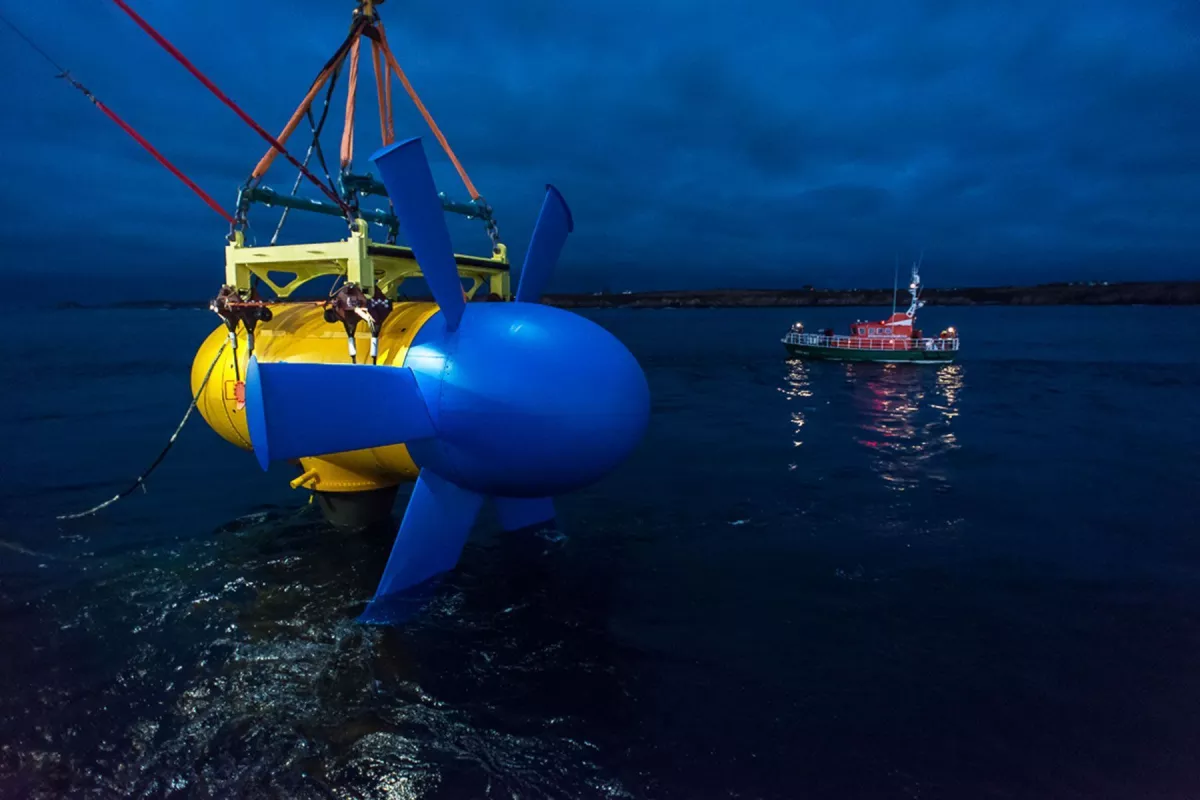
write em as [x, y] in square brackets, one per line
[877, 349]
[869, 342]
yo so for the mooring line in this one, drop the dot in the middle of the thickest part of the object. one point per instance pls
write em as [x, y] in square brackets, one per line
[141, 481]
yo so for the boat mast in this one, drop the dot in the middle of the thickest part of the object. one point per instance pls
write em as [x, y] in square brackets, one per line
[895, 283]
[914, 288]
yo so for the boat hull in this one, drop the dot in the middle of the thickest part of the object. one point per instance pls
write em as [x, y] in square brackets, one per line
[853, 354]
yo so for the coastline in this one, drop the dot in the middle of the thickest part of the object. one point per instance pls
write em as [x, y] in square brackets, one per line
[1154, 293]
[1144, 293]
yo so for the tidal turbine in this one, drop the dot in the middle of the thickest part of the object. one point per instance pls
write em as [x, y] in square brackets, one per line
[515, 401]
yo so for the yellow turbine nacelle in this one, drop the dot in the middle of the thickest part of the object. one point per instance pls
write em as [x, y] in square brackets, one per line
[299, 333]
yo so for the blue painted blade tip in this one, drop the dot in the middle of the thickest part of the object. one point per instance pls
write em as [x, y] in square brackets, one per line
[256, 415]
[400, 607]
[288, 407]
[404, 170]
[436, 524]
[554, 224]
[387, 148]
[570, 217]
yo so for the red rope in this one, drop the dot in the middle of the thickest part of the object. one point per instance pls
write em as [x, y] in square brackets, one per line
[170, 48]
[150, 148]
[62, 73]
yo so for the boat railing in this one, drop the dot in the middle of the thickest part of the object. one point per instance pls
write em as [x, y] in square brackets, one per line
[869, 342]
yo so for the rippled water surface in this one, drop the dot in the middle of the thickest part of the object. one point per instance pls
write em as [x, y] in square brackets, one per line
[814, 580]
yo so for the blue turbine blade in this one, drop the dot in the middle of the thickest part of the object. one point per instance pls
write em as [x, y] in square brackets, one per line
[549, 235]
[404, 170]
[436, 525]
[295, 410]
[518, 513]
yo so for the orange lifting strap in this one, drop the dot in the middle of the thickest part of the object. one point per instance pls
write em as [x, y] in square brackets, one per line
[351, 94]
[322, 78]
[412, 93]
[368, 24]
[383, 86]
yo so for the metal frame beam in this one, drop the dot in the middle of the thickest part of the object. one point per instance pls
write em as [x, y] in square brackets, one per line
[362, 262]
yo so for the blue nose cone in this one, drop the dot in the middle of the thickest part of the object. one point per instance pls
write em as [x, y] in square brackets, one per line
[528, 400]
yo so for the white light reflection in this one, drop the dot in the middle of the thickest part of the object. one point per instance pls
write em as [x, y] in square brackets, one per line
[904, 416]
[797, 387]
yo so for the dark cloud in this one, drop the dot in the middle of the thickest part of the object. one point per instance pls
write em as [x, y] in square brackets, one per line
[699, 143]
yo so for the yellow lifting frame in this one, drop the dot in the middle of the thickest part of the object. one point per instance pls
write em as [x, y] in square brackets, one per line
[360, 261]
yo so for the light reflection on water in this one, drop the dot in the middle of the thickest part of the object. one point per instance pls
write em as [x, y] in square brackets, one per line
[905, 418]
[798, 386]
[902, 413]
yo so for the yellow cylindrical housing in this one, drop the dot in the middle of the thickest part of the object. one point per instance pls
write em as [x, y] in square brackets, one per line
[299, 332]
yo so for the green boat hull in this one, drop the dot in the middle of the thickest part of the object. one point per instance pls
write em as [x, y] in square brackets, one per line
[816, 353]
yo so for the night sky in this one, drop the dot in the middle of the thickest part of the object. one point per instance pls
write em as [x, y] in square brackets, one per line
[700, 144]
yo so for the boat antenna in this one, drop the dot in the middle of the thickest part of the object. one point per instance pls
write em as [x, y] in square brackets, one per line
[914, 287]
[895, 283]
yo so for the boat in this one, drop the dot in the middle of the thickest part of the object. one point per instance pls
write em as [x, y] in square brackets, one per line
[893, 340]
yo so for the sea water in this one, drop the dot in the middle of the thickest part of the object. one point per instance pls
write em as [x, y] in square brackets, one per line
[813, 580]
